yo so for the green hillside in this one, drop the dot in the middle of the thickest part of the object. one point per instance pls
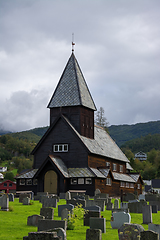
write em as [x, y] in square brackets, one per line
[124, 133]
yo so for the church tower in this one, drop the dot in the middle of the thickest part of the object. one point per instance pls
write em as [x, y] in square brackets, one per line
[72, 99]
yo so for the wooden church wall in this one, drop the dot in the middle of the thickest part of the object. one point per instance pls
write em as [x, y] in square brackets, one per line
[76, 156]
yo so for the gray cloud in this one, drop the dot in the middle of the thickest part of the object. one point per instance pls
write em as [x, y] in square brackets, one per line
[117, 47]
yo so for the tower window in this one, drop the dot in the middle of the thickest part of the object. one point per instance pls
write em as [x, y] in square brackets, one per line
[60, 148]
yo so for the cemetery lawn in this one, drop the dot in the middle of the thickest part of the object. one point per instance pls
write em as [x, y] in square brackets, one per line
[13, 224]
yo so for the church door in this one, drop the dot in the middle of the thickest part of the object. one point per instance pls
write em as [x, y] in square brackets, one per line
[50, 182]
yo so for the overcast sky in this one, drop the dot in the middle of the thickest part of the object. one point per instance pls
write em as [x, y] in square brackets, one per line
[117, 48]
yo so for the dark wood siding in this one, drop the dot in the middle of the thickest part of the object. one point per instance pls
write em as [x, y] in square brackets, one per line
[80, 117]
[77, 155]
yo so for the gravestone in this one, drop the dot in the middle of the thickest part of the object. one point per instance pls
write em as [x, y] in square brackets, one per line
[22, 196]
[93, 208]
[60, 232]
[116, 203]
[70, 207]
[26, 201]
[154, 208]
[42, 236]
[48, 213]
[155, 203]
[97, 191]
[95, 234]
[129, 196]
[11, 197]
[33, 220]
[136, 207]
[4, 203]
[77, 202]
[48, 224]
[124, 205]
[100, 203]
[147, 214]
[130, 231]
[141, 197]
[154, 227]
[88, 215]
[98, 223]
[62, 195]
[149, 235]
[109, 205]
[64, 214]
[68, 196]
[119, 218]
[49, 202]
[40, 195]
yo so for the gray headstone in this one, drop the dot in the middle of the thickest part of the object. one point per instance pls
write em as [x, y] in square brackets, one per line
[62, 195]
[119, 218]
[43, 236]
[90, 214]
[124, 205]
[149, 235]
[100, 203]
[130, 231]
[4, 203]
[70, 207]
[49, 202]
[68, 196]
[154, 227]
[60, 233]
[93, 208]
[33, 220]
[11, 197]
[97, 191]
[64, 214]
[95, 234]
[48, 224]
[98, 223]
[24, 195]
[147, 214]
[77, 202]
[136, 207]
[26, 201]
[109, 205]
[116, 203]
[48, 213]
[141, 197]
[154, 208]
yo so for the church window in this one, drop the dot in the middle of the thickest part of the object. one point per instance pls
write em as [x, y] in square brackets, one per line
[121, 168]
[29, 182]
[108, 181]
[80, 180]
[60, 148]
[122, 184]
[131, 185]
[73, 181]
[127, 185]
[107, 164]
[114, 167]
[88, 180]
[139, 186]
[22, 181]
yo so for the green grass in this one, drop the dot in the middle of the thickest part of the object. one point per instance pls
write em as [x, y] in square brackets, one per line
[13, 224]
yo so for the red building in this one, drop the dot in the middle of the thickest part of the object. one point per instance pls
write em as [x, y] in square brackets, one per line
[8, 186]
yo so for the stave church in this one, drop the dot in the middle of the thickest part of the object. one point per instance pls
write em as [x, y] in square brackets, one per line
[74, 154]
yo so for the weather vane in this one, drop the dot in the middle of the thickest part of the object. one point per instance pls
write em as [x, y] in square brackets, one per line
[73, 42]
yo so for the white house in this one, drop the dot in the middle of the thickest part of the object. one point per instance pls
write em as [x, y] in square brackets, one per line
[141, 156]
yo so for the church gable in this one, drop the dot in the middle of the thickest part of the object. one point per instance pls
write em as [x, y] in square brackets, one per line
[62, 141]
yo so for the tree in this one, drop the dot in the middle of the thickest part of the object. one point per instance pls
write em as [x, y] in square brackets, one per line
[9, 176]
[101, 120]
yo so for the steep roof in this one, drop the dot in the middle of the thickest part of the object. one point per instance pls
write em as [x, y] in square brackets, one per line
[72, 89]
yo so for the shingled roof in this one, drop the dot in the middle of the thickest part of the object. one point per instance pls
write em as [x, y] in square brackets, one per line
[72, 89]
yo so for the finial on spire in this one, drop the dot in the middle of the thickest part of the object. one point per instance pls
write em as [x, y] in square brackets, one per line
[73, 42]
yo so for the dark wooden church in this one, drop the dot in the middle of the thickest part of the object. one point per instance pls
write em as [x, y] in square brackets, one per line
[74, 154]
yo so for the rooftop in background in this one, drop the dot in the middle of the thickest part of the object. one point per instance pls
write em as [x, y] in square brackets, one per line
[141, 156]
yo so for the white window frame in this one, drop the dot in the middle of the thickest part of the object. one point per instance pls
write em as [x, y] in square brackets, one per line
[131, 185]
[114, 167]
[120, 168]
[138, 186]
[107, 164]
[80, 180]
[127, 185]
[29, 181]
[88, 181]
[73, 181]
[22, 181]
[122, 184]
[108, 181]
[60, 147]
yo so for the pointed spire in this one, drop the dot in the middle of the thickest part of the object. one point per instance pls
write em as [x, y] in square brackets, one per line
[72, 89]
